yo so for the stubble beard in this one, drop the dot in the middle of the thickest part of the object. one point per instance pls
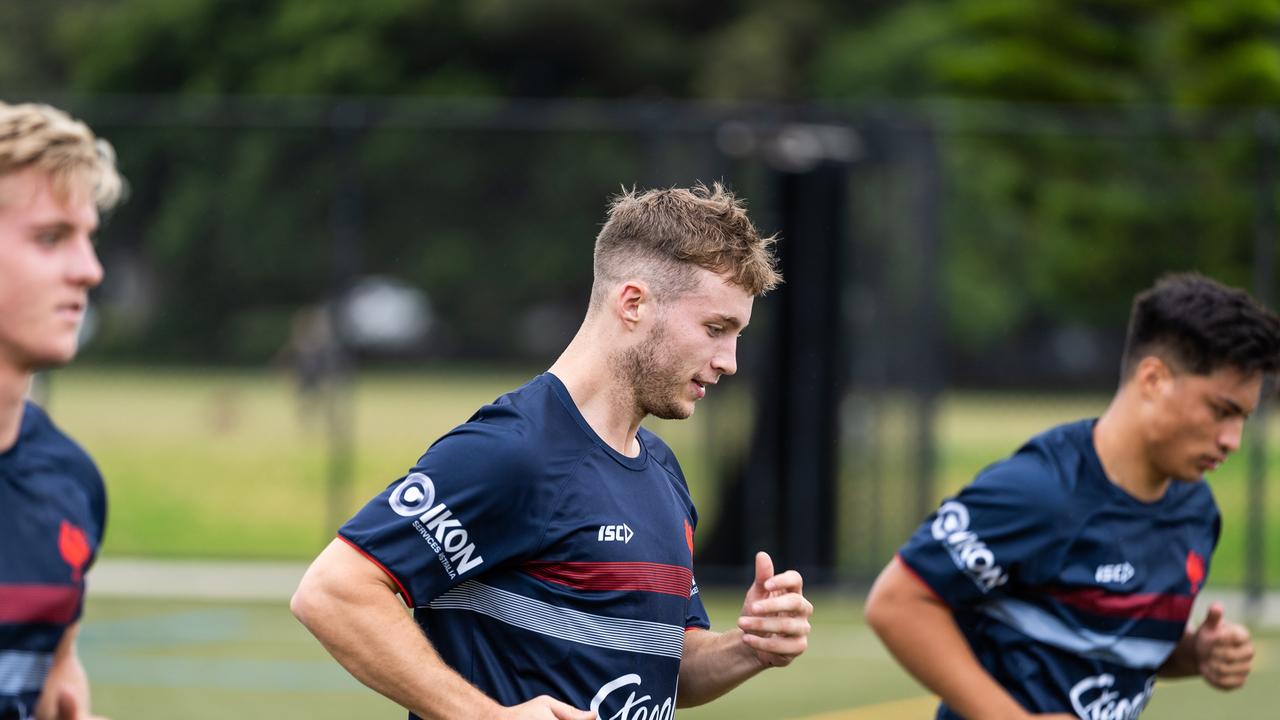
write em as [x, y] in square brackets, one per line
[654, 382]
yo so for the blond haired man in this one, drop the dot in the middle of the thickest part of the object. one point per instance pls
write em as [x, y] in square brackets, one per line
[545, 546]
[54, 178]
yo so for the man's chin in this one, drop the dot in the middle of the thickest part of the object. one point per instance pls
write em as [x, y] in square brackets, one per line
[674, 411]
[51, 360]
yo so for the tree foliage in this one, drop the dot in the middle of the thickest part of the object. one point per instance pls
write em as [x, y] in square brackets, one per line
[1121, 168]
[1051, 217]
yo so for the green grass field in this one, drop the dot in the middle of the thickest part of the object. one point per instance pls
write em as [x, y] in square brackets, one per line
[215, 464]
[159, 660]
[224, 464]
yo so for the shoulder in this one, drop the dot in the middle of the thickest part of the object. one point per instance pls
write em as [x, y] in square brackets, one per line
[661, 453]
[47, 444]
[1029, 475]
[519, 437]
[46, 448]
[1052, 462]
[533, 413]
[1043, 476]
[1194, 500]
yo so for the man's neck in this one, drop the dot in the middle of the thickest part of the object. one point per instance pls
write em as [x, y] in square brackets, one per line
[1117, 438]
[14, 385]
[606, 405]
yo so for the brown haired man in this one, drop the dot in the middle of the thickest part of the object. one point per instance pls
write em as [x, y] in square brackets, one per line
[546, 544]
[54, 178]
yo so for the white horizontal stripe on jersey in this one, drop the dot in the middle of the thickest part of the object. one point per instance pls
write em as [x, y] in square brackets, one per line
[1039, 624]
[23, 671]
[638, 636]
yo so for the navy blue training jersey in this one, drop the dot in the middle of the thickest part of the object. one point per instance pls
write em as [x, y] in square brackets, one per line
[52, 513]
[1071, 592]
[539, 560]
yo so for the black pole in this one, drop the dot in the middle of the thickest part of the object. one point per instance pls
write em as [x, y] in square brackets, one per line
[1264, 271]
[814, 209]
[348, 121]
[927, 352]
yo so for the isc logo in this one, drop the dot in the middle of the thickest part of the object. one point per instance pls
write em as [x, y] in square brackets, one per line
[615, 533]
[1118, 574]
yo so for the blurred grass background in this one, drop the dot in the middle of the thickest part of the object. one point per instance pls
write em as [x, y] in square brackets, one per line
[226, 464]
[217, 464]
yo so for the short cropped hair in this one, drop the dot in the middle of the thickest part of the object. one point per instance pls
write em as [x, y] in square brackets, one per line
[1199, 326]
[49, 140]
[664, 235]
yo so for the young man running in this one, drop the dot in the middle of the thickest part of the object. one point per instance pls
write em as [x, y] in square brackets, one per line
[546, 545]
[1061, 580]
[54, 178]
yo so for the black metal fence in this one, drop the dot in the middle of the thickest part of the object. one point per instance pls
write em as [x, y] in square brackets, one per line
[927, 249]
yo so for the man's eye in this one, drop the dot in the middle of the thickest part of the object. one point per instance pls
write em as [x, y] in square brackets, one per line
[48, 238]
[714, 330]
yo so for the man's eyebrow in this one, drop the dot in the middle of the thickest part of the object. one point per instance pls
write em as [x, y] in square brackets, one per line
[1231, 405]
[731, 321]
[61, 227]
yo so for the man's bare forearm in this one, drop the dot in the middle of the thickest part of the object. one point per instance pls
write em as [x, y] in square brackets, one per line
[65, 676]
[713, 664]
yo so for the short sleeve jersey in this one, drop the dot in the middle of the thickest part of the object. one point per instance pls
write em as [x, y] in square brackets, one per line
[539, 560]
[52, 515]
[1071, 592]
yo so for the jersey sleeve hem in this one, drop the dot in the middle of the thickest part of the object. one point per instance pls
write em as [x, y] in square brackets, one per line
[920, 578]
[404, 594]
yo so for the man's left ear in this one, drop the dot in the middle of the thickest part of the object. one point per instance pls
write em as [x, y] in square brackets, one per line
[1153, 376]
[634, 303]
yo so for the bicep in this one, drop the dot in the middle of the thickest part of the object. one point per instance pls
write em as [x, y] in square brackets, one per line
[343, 573]
[342, 564]
[896, 590]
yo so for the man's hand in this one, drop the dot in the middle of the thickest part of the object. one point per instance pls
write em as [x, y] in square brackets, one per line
[69, 707]
[1224, 651]
[544, 707]
[775, 615]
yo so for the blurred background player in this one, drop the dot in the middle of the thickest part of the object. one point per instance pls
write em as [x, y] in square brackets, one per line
[1062, 579]
[546, 545]
[54, 178]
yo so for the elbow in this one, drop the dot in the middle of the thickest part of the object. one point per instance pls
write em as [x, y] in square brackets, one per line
[874, 612]
[299, 604]
[310, 599]
[883, 602]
